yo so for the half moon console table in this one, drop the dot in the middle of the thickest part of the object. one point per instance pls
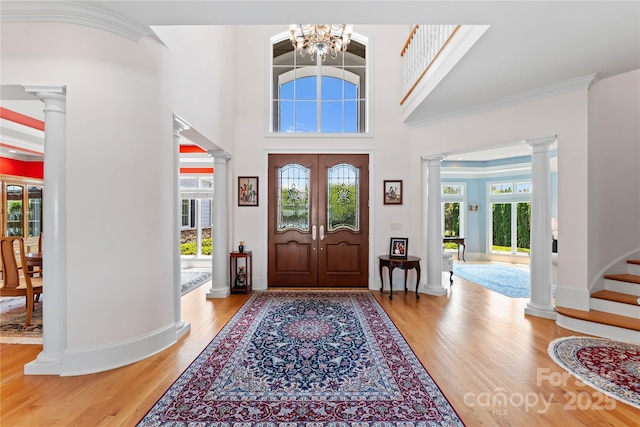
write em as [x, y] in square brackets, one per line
[406, 264]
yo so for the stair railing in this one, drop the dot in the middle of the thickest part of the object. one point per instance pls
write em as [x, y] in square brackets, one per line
[422, 48]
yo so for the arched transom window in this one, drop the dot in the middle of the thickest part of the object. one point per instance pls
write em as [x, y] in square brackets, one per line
[311, 96]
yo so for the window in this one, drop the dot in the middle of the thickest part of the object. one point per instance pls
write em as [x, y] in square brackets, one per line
[453, 201]
[310, 96]
[22, 212]
[196, 193]
[510, 220]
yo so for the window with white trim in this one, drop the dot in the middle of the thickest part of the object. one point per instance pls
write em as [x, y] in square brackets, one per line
[311, 96]
[509, 219]
[452, 213]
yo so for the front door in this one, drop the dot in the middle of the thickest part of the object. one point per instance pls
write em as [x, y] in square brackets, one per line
[318, 220]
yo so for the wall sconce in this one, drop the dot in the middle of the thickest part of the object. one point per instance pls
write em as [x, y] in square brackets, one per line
[473, 207]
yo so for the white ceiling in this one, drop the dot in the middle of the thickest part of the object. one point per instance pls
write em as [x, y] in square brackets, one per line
[531, 46]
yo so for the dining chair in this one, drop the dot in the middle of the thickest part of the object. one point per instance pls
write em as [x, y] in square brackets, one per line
[16, 280]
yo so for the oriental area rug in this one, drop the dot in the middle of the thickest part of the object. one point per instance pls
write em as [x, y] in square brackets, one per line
[305, 358]
[611, 367]
[12, 314]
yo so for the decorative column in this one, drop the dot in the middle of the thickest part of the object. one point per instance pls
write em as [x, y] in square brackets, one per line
[541, 275]
[431, 168]
[219, 234]
[54, 225]
[182, 327]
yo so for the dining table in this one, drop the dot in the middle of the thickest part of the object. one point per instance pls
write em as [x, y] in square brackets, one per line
[34, 259]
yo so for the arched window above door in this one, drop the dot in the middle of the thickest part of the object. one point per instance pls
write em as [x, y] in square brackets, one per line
[310, 96]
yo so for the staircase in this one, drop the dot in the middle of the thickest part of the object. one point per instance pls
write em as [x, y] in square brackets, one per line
[614, 311]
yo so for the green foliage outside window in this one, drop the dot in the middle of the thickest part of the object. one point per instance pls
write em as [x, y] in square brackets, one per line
[190, 247]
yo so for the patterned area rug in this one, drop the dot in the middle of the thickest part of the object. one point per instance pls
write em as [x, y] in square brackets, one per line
[508, 281]
[191, 280]
[314, 359]
[611, 367]
[12, 314]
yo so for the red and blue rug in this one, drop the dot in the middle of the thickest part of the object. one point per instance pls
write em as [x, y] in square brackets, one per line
[306, 358]
[611, 367]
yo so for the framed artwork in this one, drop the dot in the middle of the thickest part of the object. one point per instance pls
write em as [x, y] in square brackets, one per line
[399, 247]
[393, 192]
[247, 191]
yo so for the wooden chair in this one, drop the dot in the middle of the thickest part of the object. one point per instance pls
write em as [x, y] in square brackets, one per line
[16, 280]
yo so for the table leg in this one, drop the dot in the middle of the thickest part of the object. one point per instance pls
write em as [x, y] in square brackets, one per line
[390, 282]
[417, 280]
[381, 278]
[406, 271]
[464, 249]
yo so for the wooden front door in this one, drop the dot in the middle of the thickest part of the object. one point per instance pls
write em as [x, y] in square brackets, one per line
[318, 220]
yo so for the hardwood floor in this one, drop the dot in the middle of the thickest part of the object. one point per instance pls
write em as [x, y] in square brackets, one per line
[476, 344]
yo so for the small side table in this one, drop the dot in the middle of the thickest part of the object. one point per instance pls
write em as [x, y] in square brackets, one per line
[237, 283]
[408, 263]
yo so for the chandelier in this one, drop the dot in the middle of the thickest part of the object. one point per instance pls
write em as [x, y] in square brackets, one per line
[320, 40]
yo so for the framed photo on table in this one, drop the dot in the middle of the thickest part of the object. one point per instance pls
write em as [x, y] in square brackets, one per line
[393, 192]
[399, 247]
[247, 191]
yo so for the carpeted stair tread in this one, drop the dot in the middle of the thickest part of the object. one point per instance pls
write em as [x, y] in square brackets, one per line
[601, 317]
[630, 278]
[616, 297]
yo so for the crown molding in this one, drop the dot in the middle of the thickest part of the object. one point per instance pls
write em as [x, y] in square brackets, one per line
[561, 88]
[71, 13]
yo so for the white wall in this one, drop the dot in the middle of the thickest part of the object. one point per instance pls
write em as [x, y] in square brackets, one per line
[614, 172]
[203, 78]
[119, 151]
[388, 143]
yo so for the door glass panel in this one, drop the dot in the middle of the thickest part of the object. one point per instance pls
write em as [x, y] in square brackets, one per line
[35, 211]
[343, 193]
[293, 197]
[501, 222]
[15, 195]
[523, 227]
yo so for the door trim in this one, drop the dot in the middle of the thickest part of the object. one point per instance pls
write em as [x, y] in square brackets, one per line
[373, 201]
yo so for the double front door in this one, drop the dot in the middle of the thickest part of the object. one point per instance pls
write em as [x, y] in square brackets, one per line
[318, 220]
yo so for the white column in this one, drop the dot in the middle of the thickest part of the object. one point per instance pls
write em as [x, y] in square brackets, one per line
[219, 228]
[434, 228]
[541, 275]
[182, 327]
[54, 226]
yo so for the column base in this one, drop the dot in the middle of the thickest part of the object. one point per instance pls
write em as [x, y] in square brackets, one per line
[45, 364]
[436, 290]
[182, 328]
[218, 293]
[545, 311]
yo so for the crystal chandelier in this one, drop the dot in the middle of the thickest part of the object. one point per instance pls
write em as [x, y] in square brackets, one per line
[320, 40]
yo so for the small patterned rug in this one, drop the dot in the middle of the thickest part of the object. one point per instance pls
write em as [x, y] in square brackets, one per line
[12, 313]
[191, 280]
[305, 358]
[505, 280]
[611, 367]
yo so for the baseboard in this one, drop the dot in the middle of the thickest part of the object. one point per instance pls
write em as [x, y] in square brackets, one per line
[573, 298]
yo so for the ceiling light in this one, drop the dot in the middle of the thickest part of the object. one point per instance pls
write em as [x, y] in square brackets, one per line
[320, 40]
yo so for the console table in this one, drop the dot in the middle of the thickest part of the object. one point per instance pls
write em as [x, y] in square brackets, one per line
[406, 264]
[238, 283]
[460, 241]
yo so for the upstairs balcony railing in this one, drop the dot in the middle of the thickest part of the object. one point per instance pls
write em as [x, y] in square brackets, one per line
[422, 48]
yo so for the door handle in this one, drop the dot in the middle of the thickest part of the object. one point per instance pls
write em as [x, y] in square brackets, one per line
[322, 236]
[313, 233]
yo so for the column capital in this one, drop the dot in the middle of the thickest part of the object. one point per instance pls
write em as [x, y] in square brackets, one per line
[179, 124]
[52, 90]
[541, 144]
[434, 160]
[219, 155]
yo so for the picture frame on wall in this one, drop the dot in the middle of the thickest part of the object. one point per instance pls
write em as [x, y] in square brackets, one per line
[247, 191]
[398, 247]
[393, 192]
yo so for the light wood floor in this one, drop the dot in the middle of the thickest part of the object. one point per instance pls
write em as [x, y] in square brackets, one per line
[476, 344]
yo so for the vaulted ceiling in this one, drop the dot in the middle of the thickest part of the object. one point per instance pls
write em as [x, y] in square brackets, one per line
[532, 48]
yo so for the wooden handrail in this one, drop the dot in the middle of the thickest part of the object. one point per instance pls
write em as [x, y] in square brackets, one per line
[429, 64]
[408, 42]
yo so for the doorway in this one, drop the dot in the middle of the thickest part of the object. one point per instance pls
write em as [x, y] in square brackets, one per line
[318, 220]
